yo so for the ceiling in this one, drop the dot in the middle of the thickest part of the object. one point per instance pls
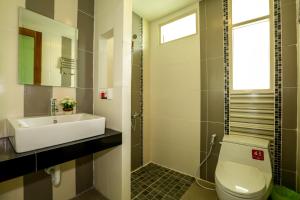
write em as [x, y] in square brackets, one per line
[155, 9]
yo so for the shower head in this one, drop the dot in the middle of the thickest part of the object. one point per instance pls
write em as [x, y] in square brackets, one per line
[134, 36]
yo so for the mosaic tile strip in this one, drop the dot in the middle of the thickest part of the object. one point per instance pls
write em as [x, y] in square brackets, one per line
[226, 65]
[156, 182]
[142, 91]
[278, 92]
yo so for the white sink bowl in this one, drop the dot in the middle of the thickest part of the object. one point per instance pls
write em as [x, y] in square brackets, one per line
[39, 132]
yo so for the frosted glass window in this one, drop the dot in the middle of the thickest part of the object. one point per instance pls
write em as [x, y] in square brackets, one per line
[178, 29]
[243, 10]
[251, 56]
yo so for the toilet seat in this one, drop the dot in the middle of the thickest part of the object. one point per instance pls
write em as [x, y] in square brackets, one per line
[240, 180]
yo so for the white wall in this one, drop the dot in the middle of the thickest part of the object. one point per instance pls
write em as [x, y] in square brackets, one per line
[174, 115]
[12, 94]
[112, 167]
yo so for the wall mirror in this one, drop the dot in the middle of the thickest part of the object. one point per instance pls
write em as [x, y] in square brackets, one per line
[47, 51]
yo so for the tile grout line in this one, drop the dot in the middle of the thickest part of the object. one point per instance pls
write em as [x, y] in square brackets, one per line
[149, 185]
[165, 194]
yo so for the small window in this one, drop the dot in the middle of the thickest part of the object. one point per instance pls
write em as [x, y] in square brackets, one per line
[180, 28]
[243, 10]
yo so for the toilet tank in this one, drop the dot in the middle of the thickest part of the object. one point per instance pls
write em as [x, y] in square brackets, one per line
[246, 150]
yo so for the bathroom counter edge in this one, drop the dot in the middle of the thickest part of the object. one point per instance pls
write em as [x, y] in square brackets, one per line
[14, 164]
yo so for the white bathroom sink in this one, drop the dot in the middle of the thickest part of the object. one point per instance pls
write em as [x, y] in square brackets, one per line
[29, 134]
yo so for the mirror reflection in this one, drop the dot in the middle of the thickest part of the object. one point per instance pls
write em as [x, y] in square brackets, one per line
[47, 51]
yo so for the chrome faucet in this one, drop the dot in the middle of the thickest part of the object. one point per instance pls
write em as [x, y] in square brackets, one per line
[54, 108]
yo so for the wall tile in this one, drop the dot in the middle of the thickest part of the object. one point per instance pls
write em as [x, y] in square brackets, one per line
[37, 186]
[136, 93]
[203, 169]
[67, 186]
[137, 55]
[289, 62]
[46, 7]
[289, 24]
[216, 106]
[286, 2]
[92, 194]
[202, 15]
[84, 173]
[136, 158]
[216, 75]
[203, 45]
[136, 101]
[214, 14]
[204, 77]
[289, 179]
[84, 96]
[212, 74]
[37, 100]
[289, 149]
[218, 129]
[12, 94]
[85, 69]
[203, 138]
[211, 167]
[215, 42]
[136, 78]
[86, 6]
[136, 137]
[84, 100]
[289, 110]
[12, 189]
[204, 95]
[170, 104]
[85, 25]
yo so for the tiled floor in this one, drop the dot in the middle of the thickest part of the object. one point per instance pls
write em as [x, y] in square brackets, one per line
[90, 195]
[159, 183]
[156, 182]
[197, 193]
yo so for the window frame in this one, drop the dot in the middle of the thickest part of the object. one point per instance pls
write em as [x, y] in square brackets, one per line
[272, 49]
[194, 11]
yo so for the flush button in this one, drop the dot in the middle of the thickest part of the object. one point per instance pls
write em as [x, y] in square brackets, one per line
[257, 154]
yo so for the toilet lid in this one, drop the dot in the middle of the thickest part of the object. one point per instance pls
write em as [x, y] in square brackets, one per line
[240, 180]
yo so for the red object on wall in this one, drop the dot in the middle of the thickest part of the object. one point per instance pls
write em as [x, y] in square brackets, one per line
[257, 154]
[103, 95]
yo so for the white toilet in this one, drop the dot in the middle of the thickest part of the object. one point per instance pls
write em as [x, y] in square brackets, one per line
[244, 169]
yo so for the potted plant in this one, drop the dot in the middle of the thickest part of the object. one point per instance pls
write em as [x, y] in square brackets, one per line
[68, 105]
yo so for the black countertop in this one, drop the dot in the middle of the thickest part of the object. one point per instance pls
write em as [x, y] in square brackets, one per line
[14, 164]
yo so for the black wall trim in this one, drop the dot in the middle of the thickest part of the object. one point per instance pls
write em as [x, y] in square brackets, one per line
[14, 164]
[17, 166]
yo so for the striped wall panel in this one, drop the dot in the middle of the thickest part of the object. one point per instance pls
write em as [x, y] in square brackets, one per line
[38, 186]
[252, 115]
